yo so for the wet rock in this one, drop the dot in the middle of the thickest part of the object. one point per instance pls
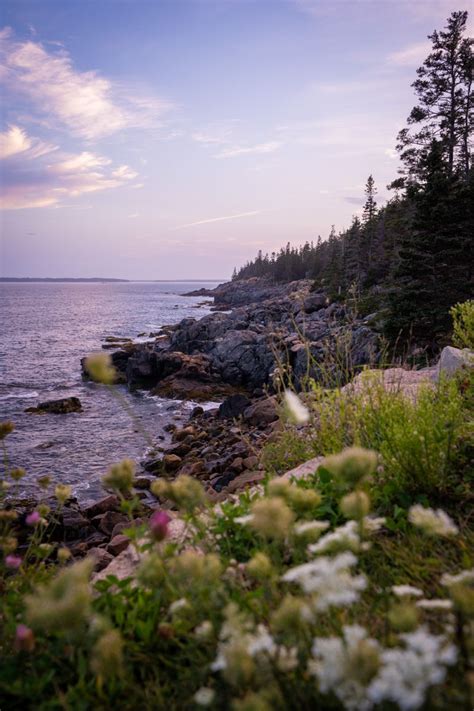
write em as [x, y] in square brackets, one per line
[154, 466]
[198, 410]
[233, 406]
[171, 462]
[141, 482]
[57, 407]
[108, 503]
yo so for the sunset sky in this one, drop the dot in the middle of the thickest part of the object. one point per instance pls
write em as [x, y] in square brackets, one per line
[157, 139]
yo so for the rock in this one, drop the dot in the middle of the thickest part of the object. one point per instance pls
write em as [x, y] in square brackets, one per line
[109, 520]
[453, 359]
[251, 462]
[249, 478]
[196, 411]
[171, 462]
[101, 558]
[118, 544]
[179, 435]
[121, 527]
[315, 302]
[233, 406]
[74, 523]
[96, 539]
[262, 412]
[108, 503]
[304, 470]
[58, 407]
[154, 466]
[141, 482]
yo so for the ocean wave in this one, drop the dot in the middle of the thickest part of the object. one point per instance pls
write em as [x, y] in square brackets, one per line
[20, 395]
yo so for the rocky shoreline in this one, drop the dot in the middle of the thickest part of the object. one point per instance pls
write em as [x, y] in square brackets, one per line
[258, 332]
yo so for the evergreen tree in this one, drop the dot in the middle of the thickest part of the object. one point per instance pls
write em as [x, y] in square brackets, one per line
[445, 102]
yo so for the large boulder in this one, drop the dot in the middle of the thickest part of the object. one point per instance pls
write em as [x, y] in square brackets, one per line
[262, 412]
[58, 407]
[233, 406]
[454, 359]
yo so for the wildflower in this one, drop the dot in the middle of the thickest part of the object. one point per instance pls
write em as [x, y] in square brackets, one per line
[64, 604]
[192, 569]
[63, 554]
[261, 641]
[279, 487]
[204, 696]
[8, 544]
[297, 412]
[287, 659]
[43, 509]
[346, 666]
[204, 630]
[178, 605]
[310, 530]
[260, 567]
[330, 580]
[187, 493]
[44, 549]
[151, 571]
[355, 505]
[62, 492]
[107, 655]
[352, 465]
[271, 518]
[344, 537]
[158, 523]
[434, 523]
[436, 604]
[44, 481]
[371, 524]
[13, 561]
[464, 577]
[403, 617]
[406, 591]
[24, 639]
[303, 500]
[461, 590]
[406, 674]
[120, 476]
[17, 473]
[288, 618]
[254, 701]
[99, 367]
[33, 519]
[6, 428]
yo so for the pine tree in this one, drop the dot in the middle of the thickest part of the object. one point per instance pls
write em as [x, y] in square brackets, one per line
[445, 102]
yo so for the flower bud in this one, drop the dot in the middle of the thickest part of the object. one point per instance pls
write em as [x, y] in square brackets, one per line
[355, 505]
[24, 639]
[158, 523]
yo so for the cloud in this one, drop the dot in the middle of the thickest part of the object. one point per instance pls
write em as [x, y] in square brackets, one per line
[269, 147]
[218, 219]
[391, 153]
[87, 104]
[34, 177]
[411, 56]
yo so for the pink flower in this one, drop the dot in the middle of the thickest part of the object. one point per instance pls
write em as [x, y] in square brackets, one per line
[159, 521]
[33, 518]
[24, 639]
[13, 561]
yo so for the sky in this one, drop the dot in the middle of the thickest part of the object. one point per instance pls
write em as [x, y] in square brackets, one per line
[173, 139]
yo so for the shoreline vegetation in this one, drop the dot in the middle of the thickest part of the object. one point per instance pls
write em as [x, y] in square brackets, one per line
[310, 542]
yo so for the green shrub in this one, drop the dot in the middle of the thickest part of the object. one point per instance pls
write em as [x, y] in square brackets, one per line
[463, 324]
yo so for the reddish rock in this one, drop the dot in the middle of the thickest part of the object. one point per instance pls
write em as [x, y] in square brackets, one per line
[101, 558]
[118, 544]
[108, 503]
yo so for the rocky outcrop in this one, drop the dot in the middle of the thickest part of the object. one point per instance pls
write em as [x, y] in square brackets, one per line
[57, 407]
[269, 326]
[454, 359]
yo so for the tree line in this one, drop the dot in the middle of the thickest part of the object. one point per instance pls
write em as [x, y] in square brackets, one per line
[412, 258]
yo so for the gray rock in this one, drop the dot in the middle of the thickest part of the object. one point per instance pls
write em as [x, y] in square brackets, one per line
[233, 406]
[453, 359]
[58, 407]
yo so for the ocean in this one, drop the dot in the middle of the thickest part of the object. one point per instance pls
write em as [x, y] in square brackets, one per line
[46, 328]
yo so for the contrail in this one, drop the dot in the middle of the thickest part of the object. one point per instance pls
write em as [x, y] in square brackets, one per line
[217, 219]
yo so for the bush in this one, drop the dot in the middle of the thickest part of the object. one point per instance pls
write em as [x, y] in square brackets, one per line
[463, 324]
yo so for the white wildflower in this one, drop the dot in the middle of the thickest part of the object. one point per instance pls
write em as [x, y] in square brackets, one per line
[178, 605]
[204, 696]
[261, 642]
[436, 604]
[344, 537]
[407, 674]
[298, 412]
[287, 659]
[434, 523]
[346, 665]
[406, 591]
[307, 527]
[465, 576]
[330, 580]
[204, 630]
[372, 524]
[244, 520]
